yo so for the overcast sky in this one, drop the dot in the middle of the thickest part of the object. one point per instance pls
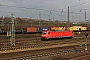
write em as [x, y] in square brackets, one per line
[46, 9]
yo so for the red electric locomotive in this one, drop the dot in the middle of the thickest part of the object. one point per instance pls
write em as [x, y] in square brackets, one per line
[57, 34]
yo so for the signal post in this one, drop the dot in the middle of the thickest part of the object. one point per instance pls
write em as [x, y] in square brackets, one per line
[12, 30]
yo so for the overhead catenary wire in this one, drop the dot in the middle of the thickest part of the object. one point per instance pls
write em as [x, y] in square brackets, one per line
[44, 9]
[36, 9]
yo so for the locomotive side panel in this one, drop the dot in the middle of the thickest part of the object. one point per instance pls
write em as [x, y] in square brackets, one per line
[57, 34]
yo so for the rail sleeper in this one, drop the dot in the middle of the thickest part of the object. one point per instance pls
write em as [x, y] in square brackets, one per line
[52, 54]
[33, 56]
[14, 59]
[40, 56]
[46, 54]
[65, 52]
[27, 57]
[58, 53]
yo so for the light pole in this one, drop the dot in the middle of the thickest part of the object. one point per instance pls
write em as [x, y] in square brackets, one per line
[86, 34]
[85, 17]
[2, 20]
[68, 23]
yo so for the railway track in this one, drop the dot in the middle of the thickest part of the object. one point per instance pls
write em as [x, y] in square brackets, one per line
[74, 56]
[29, 45]
[15, 52]
[29, 41]
[46, 53]
[30, 37]
[80, 56]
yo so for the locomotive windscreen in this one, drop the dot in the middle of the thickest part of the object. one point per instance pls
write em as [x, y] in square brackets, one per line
[43, 32]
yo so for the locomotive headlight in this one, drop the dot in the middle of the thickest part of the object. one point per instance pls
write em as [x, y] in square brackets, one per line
[43, 35]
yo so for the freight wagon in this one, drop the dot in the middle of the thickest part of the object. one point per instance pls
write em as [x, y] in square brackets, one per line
[57, 34]
[31, 29]
[27, 30]
[41, 29]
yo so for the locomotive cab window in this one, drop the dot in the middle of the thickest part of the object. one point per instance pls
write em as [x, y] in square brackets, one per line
[43, 32]
[72, 31]
[48, 32]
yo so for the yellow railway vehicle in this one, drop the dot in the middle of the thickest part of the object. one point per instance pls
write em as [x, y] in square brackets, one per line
[78, 28]
[75, 28]
[83, 28]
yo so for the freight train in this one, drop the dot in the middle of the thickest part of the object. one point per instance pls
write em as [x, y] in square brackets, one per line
[46, 35]
[39, 29]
